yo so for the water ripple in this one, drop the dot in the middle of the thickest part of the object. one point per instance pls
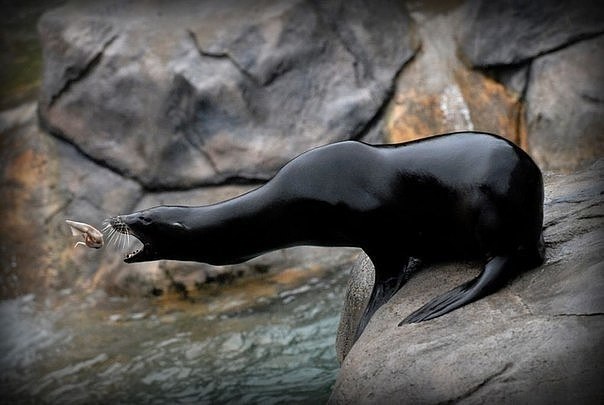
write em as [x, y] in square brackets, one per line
[282, 351]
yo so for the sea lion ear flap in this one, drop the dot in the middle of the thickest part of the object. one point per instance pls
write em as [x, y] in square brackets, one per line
[179, 225]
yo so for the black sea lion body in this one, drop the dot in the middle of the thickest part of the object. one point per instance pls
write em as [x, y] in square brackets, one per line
[440, 198]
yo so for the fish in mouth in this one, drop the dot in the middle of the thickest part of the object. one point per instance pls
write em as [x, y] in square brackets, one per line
[91, 237]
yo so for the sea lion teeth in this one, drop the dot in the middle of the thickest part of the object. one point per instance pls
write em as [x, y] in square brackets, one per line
[132, 254]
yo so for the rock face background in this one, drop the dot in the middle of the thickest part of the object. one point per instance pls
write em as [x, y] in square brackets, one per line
[535, 341]
[210, 90]
[192, 102]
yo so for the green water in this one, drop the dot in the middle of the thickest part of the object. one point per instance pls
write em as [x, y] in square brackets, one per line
[75, 350]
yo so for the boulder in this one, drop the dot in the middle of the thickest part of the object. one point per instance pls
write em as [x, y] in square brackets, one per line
[437, 93]
[534, 341]
[211, 91]
[512, 32]
[565, 106]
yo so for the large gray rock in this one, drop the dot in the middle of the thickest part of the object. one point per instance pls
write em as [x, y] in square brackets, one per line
[514, 31]
[535, 341]
[565, 106]
[177, 94]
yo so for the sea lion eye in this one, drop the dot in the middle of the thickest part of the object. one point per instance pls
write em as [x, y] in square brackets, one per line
[145, 220]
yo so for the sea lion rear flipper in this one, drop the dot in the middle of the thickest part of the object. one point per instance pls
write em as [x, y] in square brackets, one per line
[489, 280]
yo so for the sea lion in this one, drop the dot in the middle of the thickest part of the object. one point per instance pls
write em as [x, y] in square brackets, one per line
[446, 197]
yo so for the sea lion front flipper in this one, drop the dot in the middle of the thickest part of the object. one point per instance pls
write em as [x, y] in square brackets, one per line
[489, 280]
[390, 276]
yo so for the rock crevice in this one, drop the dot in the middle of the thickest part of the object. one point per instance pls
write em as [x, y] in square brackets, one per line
[224, 55]
[74, 75]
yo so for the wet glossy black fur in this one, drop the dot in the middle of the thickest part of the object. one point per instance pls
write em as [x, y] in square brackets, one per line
[445, 197]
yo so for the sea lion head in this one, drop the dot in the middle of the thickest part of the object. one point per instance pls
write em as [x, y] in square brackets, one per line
[160, 231]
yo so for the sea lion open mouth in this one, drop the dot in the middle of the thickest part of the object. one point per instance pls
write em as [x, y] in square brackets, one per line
[124, 237]
[152, 234]
[130, 257]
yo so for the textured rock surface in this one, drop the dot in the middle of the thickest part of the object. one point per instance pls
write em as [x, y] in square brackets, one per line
[44, 182]
[211, 90]
[566, 117]
[536, 340]
[358, 291]
[437, 93]
[549, 53]
[512, 32]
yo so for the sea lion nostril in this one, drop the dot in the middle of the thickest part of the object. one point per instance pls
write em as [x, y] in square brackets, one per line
[115, 221]
[118, 224]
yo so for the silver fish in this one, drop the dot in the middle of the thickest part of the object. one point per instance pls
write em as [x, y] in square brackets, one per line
[93, 238]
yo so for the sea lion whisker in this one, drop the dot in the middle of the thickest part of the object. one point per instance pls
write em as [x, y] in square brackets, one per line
[118, 240]
[110, 233]
[112, 237]
[107, 227]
